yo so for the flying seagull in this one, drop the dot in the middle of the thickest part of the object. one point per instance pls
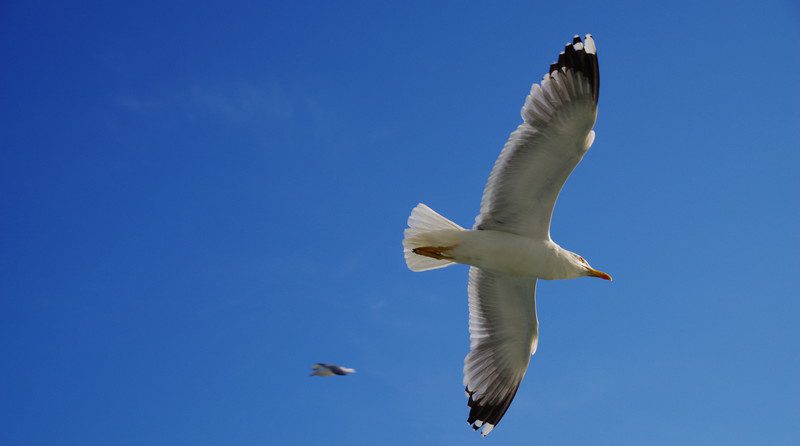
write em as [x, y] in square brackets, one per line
[320, 369]
[509, 247]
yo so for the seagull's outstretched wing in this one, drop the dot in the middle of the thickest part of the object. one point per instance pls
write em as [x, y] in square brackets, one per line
[558, 118]
[519, 198]
[502, 334]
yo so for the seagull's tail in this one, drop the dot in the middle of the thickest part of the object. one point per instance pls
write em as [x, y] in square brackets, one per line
[428, 238]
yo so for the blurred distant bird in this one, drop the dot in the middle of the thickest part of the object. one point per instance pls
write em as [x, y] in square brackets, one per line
[320, 369]
[509, 247]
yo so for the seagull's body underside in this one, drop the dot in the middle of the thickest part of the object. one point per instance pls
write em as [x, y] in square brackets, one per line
[509, 247]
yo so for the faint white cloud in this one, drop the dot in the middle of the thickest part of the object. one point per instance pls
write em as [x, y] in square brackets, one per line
[242, 102]
[236, 102]
[138, 104]
[378, 306]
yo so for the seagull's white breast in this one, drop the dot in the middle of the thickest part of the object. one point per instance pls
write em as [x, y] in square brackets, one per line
[512, 254]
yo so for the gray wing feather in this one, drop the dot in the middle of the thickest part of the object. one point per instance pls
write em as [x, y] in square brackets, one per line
[503, 334]
[542, 152]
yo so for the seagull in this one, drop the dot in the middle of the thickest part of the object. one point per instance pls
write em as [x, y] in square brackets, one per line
[509, 248]
[320, 369]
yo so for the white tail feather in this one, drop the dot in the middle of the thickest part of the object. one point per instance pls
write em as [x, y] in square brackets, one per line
[427, 228]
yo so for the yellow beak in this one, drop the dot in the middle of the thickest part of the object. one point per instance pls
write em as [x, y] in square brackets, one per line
[595, 273]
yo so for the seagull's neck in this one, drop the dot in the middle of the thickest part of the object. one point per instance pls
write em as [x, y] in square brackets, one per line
[562, 263]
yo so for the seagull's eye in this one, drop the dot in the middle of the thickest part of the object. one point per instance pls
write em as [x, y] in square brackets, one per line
[582, 260]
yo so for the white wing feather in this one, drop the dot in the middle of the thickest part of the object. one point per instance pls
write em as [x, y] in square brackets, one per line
[539, 156]
[503, 335]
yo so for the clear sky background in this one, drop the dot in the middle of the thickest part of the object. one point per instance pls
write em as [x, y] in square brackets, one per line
[199, 200]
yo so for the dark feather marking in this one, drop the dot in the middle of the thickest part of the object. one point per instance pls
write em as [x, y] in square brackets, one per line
[581, 62]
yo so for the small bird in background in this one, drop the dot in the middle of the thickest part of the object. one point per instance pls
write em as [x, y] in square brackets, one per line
[320, 369]
[510, 248]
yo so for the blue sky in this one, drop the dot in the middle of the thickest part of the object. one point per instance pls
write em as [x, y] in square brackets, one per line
[200, 200]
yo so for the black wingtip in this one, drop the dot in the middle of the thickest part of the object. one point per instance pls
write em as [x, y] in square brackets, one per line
[488, 414]
[576, 57]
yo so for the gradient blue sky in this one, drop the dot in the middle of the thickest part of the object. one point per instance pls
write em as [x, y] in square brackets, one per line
[200, 200]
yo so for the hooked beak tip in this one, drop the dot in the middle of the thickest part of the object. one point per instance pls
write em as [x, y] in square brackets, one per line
[595, 273]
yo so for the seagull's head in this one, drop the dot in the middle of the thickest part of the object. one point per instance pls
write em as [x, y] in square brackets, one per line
[586, 270]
